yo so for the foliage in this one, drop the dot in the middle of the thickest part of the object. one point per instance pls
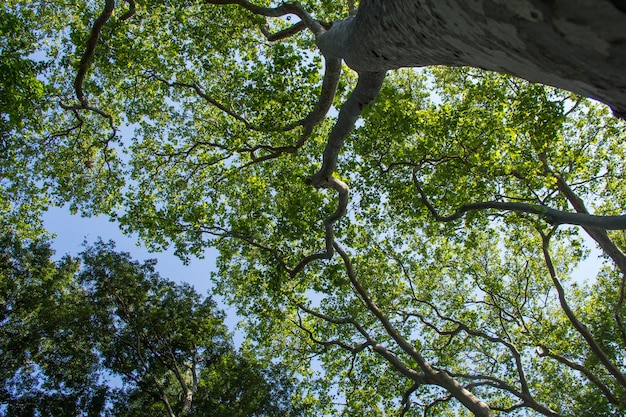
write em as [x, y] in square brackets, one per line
[71, 328]
[449, 266]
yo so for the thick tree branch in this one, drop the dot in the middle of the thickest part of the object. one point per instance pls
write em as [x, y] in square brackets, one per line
[332, 73]
[600, 236]
[364, 93]
[524, 394]
[282, 10]
[90, 49]
[283, 34]
[552, 216]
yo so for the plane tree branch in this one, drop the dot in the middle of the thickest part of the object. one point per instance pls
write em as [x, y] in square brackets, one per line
[284, 9]
[431, 375]
[364, 93]
[593, 345]
[285, 33]
[90, 49]
[544, 351]
[552, 216]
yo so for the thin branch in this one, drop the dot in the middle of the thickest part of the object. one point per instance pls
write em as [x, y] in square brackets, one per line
[84, 106]
[435, 402]
[352, 349]
[202, 93]
[330, 82]
[442, 379]
[544, 351]
[580, 327]
[375, 345]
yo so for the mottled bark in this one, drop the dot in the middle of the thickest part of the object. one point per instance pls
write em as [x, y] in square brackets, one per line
[576, 45]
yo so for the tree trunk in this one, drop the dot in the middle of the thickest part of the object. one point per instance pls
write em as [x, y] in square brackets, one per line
[576, 45]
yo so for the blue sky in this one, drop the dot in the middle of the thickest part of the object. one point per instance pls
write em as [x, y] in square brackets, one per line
[72, 230]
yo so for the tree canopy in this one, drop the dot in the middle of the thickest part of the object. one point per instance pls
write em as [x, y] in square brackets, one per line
[427, 266]
[102, 334]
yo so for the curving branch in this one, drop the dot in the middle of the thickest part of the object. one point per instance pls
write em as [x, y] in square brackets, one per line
[600, 236]
[552, 216]
[85, 61]
[364, 93]
[578, 325]
[343, 321]
[284, 9]
[332, 73]
[131, 10]
[90, 49]
[543, 351]
[602, 239]
[283, 34]
[432, 375]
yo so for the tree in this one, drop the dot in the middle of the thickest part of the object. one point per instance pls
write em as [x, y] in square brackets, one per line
[48, 368]
[67, 331]
[445, 287]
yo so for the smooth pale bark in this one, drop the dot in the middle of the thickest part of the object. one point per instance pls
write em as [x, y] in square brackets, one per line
[576, 45]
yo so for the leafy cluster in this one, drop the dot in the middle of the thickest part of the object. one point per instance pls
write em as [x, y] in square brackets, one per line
[105, 335]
